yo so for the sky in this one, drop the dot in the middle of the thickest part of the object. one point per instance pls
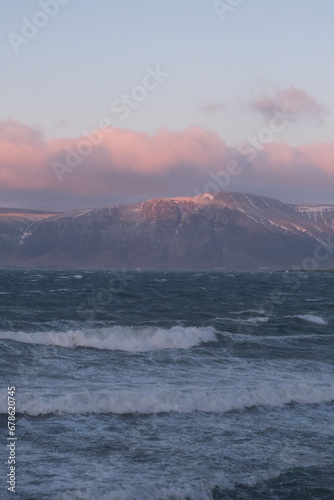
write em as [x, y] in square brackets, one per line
[110, 101]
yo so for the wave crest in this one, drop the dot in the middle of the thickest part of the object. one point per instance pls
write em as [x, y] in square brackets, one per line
[172, 400]
[119, 338]
[312, 319]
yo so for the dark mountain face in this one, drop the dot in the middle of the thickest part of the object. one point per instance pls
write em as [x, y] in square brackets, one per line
[14, 224]
[221, 230]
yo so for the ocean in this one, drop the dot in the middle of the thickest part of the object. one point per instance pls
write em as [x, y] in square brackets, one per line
[168, 385]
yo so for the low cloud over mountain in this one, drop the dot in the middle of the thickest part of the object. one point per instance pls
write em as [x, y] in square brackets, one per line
[126, 165]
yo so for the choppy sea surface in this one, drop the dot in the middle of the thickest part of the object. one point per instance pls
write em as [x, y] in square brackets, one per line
[168, 386]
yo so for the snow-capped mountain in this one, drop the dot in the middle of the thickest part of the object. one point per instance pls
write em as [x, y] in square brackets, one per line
[223, 230]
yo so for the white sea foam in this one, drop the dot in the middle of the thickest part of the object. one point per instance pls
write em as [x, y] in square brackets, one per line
[250, 316]
[271, 339]
[312, 319]
[262, 319]
[254, 319]
[186, 492]
[119, 338]
[253, 311]
[171, 399]
[69, 277]
[197, 490]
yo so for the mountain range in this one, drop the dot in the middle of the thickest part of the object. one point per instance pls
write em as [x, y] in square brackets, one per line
[221, 230]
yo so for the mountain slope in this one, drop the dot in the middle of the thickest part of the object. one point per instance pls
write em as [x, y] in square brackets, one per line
[221, 230]
[14, 226]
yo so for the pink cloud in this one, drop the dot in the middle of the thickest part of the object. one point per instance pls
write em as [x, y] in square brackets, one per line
[127, 163]
[91, 164]
[293, 100]
[305, 166]
[140, 152]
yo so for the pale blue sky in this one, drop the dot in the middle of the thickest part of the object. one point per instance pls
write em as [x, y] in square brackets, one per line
[65, 79]
[229, 76]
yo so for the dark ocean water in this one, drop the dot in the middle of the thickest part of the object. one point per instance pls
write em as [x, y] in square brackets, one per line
[168, 386]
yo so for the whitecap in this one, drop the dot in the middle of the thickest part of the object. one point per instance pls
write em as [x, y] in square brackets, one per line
[121, 338]
[312, 319]
[263, 319]
[175, 400]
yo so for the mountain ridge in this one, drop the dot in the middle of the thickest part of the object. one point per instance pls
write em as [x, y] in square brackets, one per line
[225, 230]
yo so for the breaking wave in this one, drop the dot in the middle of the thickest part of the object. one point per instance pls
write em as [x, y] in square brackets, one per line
[119, 338]
[172, 400]
[312, 319]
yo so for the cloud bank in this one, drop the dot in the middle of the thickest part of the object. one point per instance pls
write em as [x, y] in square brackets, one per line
[115, 165]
